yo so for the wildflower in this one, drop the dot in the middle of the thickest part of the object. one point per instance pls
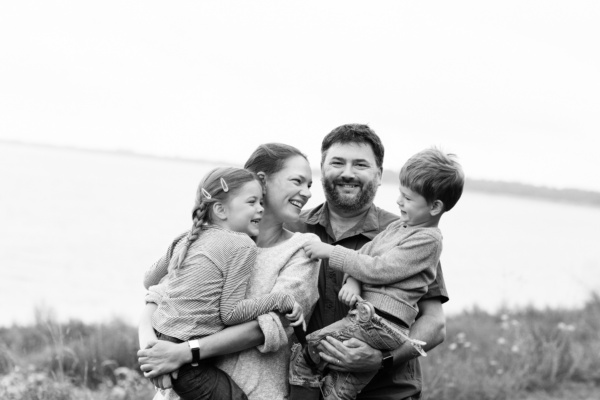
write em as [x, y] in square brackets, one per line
[493, 363]
[504, 325]
[504, 317]
[460, 337]
[565, 327]
[452, 346]
[514, 322]
[499, 371]
[514, 349]
[501, 341]
[467, 345]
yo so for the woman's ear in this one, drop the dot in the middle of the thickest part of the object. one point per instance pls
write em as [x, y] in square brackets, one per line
[437, 207]
[219, 211]
[263, 180]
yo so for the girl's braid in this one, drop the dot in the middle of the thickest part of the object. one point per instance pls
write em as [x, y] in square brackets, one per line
[199, 218]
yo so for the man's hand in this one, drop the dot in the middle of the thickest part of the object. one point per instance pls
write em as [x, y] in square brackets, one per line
[350, 292]
[161, 357]
[352, 355]
[317, 250]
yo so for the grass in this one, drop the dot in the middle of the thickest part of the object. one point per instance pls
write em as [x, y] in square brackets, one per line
[519, 354]
[516, 354]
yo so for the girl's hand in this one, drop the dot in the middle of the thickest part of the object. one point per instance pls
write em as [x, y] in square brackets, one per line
[317, 250]
[350, 293]
[296, 316]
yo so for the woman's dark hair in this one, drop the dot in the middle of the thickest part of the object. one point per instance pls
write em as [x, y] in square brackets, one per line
[270, 158]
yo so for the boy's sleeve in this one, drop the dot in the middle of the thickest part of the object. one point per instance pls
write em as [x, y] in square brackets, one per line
[418, 253]
[299, 277]
[234, 308]
[437, 288]
[161, 267]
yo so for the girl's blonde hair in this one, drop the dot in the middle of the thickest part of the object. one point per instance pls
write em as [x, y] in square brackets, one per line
[216, 186]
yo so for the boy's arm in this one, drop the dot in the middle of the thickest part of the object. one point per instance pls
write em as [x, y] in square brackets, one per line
[418, 253]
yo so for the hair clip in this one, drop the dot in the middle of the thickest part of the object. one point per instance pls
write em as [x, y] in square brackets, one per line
[206, 194]
[224, 185]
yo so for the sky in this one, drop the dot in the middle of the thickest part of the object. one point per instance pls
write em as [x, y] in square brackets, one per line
[511, 87]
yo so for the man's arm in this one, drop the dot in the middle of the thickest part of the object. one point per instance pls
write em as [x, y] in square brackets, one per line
[356, 356]
[430, 327]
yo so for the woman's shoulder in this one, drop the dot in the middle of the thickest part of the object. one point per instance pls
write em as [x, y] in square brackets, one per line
[298, 239]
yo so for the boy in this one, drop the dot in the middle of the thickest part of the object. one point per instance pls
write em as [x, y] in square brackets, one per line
[395, 270]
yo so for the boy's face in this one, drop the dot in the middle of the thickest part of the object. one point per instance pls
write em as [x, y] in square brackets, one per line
[414, 210]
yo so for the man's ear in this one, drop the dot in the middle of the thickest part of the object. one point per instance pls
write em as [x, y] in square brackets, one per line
[437, 207]
[380, 176]
[218, 209]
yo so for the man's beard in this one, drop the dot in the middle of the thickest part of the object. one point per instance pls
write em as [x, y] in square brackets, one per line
[349, 203]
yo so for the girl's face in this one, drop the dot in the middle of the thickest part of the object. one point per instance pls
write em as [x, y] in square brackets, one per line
[288, 190]
[243, 209]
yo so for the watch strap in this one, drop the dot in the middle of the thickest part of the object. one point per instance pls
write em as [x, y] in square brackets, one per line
[195, 348]
[387, 360]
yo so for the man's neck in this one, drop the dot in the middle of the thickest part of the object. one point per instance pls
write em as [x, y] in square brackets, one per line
[342, 220]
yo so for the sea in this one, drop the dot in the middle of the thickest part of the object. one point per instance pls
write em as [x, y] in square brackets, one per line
[78, 229]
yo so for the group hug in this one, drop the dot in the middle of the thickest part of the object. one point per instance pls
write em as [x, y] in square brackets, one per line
[263, 300]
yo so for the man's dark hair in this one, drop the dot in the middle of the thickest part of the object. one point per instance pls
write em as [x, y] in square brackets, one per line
[354, 133]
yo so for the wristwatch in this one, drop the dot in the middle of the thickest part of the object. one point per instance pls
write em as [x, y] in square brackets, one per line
[195, 348]
[387, 360]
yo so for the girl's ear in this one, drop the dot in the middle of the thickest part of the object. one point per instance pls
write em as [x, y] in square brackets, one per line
[219, 211]
[436, 208]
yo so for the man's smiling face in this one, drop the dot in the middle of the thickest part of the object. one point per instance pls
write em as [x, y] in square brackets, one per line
[350, 176]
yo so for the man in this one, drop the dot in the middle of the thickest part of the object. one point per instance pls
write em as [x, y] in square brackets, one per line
[351, 170]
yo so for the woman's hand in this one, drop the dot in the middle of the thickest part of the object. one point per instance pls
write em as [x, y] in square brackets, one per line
[296, 316]
[161, 357]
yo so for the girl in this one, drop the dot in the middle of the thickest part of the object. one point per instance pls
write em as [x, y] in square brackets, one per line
[208, 276]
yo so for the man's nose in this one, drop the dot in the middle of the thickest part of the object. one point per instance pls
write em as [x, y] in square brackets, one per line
[348, 171]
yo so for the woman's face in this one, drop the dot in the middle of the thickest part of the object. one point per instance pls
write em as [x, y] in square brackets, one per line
[288, 190]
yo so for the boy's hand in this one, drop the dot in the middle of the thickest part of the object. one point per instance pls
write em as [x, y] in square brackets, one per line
[296, 316]
[317, 250]
[350, 293]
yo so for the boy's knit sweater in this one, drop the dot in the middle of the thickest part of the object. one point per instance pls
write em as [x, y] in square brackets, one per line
[395, 268]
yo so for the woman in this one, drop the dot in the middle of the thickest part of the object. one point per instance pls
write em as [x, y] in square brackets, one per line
[260, 367]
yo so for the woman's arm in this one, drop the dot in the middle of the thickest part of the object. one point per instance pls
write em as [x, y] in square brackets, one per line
[162, 357]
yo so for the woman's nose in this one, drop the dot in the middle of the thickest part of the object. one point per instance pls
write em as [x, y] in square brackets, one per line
[306, 192]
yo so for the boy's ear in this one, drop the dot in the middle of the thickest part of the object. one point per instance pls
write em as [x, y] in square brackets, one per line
[437, 207]
[219, 211]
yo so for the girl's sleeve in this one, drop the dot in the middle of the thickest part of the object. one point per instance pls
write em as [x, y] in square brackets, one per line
[234, 308]
[160, 268]
[299, 277]
[418, 253]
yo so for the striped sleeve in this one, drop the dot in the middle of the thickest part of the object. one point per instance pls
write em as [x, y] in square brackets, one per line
[234, 308]
[160, 268]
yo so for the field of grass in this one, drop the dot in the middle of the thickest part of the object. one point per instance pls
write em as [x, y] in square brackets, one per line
[525, 354]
